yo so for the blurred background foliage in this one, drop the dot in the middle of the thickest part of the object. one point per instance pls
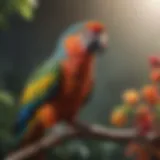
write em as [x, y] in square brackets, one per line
[23, 8]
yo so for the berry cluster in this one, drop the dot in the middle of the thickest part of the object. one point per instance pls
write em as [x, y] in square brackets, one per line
[143, 104]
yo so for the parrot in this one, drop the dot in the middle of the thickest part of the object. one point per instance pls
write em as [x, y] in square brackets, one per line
[62, 84]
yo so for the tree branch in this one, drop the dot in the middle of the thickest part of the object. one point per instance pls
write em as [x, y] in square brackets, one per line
[62, 133]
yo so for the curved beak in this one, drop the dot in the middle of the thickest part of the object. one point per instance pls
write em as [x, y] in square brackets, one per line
[98, 43]
[103, 40]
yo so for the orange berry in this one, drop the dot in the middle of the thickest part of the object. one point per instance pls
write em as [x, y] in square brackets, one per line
[131, 97]
[119, 118]
[150, 94]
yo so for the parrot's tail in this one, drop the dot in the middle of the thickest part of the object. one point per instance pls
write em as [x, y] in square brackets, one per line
[33, 136]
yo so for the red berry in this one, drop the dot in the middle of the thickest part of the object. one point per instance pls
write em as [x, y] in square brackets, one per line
[154, 61]
[150, 94]
[144, 125]
[155, 75]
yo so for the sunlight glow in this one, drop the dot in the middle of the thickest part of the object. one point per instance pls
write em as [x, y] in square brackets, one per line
[153, 8]
[154, 3]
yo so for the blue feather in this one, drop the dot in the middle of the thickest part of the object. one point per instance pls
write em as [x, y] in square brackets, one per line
[59, 52]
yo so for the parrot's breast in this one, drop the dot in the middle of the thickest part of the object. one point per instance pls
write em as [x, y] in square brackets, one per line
[74, 90]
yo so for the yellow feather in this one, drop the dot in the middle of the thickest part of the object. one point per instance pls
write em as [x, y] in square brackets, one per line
[37, 88]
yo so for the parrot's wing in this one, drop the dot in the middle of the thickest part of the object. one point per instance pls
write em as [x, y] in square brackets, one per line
[37, 92]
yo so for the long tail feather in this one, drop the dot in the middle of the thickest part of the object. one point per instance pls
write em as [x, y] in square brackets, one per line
[35, 134]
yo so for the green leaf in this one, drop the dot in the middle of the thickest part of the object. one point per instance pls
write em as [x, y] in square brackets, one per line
[25, 8]
[7, 99]
[26, 12]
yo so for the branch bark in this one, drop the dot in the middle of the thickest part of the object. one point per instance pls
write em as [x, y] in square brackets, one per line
[61, 133]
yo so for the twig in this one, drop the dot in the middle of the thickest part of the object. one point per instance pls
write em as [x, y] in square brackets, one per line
[63, 133]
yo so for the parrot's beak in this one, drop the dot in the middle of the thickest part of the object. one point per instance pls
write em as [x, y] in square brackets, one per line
[103, 43]
[97, 43]
[103, 40]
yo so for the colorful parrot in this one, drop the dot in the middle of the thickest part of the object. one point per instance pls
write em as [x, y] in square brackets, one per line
[60, 87]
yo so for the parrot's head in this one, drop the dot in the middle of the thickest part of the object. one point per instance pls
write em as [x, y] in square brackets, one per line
[91, 38]
[94, 37]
